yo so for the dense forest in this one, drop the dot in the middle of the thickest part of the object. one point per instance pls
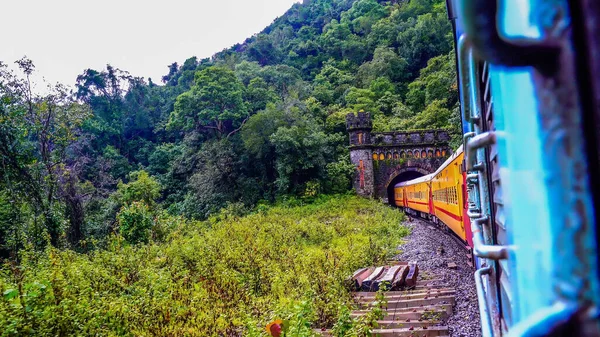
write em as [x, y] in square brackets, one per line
[121, 159]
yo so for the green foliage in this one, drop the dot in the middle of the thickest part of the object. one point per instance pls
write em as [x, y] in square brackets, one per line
[214, 102]
[261, 121]
[135, 221]
[142, 187]
[231, 275]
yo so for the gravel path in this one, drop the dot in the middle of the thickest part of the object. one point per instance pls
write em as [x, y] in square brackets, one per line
[433, 250]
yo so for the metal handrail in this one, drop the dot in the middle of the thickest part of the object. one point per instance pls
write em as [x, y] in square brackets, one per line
[464, 73]
[479, 141]
[480, 249]
[484, 313]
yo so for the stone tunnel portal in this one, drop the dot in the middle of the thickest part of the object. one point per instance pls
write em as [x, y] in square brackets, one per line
[382, 159]
[404, 176]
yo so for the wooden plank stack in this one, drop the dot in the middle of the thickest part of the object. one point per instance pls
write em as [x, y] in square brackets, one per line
[414, 307]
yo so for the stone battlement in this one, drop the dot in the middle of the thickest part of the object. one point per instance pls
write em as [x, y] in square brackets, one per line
[362, 120]
[402, 138]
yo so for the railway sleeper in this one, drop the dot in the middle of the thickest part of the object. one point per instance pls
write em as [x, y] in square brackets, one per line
[401, 332]
[414, 302]
[424, 312]
[418, 289]
[408, 296]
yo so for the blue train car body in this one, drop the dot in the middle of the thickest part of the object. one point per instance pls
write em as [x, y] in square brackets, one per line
[529, 81]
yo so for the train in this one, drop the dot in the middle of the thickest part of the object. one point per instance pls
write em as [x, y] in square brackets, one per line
[440, 197]
[523, 191]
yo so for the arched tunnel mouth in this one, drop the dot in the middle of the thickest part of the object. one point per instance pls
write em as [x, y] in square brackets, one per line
[404, 176]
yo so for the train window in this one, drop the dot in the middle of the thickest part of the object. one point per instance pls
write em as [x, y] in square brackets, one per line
[454, 195]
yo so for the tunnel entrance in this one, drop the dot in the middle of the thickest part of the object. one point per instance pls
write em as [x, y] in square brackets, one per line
[404, 176]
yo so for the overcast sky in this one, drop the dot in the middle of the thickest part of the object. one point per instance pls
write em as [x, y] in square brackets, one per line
[64, 37]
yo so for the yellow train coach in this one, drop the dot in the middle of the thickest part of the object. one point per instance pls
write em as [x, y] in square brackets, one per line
[416, 194]
[440, 196]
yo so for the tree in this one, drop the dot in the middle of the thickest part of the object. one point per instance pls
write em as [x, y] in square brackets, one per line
[215, 102]
[41, 127]
[385, 63]
[422, 38]
[303, 153]
[437, 81]
[142, 188]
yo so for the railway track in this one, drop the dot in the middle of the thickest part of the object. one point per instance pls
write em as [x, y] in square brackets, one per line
[417, 310]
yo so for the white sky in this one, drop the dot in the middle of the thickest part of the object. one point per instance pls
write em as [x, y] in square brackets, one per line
[64, 37]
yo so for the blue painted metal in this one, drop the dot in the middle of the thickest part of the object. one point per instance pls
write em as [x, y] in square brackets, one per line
[550, 276]
[484, 313]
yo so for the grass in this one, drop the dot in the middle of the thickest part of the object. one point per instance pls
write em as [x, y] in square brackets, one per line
[227, 276]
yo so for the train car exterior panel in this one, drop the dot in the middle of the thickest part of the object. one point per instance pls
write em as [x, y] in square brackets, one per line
[415, 194]
[447, 192]
[418, 197]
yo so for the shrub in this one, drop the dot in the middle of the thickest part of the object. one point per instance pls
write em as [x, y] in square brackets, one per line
[226, 278]
[135, 222]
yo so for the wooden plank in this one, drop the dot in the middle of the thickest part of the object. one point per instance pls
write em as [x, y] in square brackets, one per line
[413, 333]
[401, 292]
[411, 278]
[401, 332]
[366, 284]
[398, 281]
[359, 276]
[406, 323]
[408, 296]
[407, 332]
[388, 277]
[416, 302]
[444, 309]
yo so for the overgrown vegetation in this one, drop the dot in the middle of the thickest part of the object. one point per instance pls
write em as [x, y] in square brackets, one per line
[256, 123]
[124, 203]
[228, 275]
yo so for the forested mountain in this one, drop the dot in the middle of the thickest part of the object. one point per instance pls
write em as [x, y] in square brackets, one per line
[261, 121]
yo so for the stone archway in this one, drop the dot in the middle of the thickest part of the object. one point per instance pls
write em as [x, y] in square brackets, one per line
[400, 175]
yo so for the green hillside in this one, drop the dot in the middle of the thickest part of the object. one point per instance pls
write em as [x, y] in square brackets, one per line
[259, 122]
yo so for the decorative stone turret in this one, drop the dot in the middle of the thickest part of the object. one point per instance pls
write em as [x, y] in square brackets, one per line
[359, 129]
[380, 158]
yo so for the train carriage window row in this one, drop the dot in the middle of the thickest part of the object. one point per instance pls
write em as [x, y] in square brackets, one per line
[448, 195]
[416, 195]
